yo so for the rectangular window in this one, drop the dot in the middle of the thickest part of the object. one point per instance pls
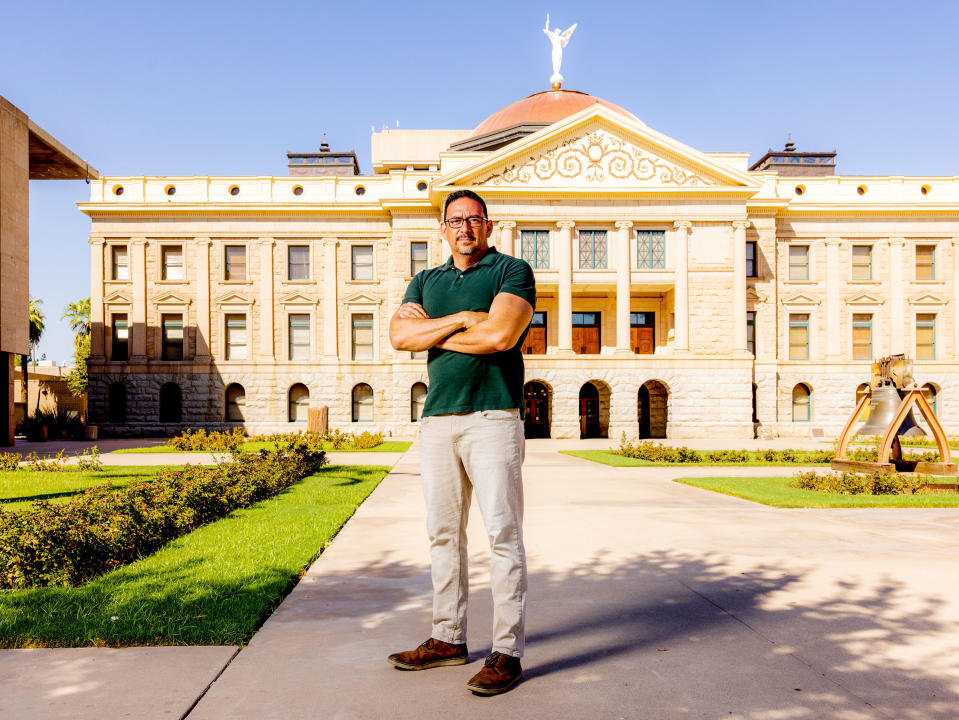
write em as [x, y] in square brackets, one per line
[298, 262]
[535, 342]
[862, 336]
[234, 262]
[236, 337]
[362, 262]
[862, 262]
[642, 332]
[798, 262]
[586, 333]
[592, 249]
[171, 262]
[121, 338]
[925, 336]
[799, 336]
[925, 262]
[363, 336]
[172, 337]
[650, 249]
[120, 262]
[535, 248]
[751, 259]
[299, 327]
[418, 259]
[751, 331]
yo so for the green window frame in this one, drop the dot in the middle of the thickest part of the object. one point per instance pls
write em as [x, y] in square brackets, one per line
[799, 336]
[798, 262]
[236, 339]
[298, 262]
[172, 337]
[534, 245]
[862, 336]
[362, 336]
[592, 250]
[299, 336]
[925, 336]
[650, 249]
[418, 257]
[751, 331]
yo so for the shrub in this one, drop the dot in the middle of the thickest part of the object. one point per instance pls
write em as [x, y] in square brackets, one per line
[102, 528]
[877, 483]
[54, 464]
[9, 461]
[90, 460]
[366, 440]
[215, 441]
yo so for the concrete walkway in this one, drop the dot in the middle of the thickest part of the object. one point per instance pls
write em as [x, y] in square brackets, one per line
[648, 599]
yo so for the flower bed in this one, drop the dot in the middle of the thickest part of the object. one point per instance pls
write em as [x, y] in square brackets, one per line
[103, 528]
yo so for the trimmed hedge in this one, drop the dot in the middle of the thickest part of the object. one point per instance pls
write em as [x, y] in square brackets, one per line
[656, 452]
[858, 483]
[101, 528]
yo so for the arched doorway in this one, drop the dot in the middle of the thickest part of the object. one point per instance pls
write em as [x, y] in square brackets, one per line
[235, 403]
[536, 400]
[594, 409]
[652, 409]
[298, 403]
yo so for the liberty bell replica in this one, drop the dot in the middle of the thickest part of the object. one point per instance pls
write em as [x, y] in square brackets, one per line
[890, 375]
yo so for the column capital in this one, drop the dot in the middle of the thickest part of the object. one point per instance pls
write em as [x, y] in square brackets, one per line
[329, 241]
[96, 240]
[955, 241]
[203, 241]
[266, 241]
[624, 224]
[741, 224]
[139, 241]
[897, 241]
[683, 225]
[565, 224]
[832, 240]
[506, 224]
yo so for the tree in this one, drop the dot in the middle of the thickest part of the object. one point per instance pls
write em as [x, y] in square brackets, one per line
[36, 330]
[78, 313]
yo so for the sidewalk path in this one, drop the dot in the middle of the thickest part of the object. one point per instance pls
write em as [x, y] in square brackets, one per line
[648, 599]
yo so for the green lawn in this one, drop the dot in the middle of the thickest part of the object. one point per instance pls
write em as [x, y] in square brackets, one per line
[214, 586]
[775, 491]
[19, 488]
[608, 458]
[257, 445]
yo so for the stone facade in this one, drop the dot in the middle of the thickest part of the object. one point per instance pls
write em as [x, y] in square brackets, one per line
[724, 265]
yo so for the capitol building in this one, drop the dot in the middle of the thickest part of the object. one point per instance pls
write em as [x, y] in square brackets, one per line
[681, 293]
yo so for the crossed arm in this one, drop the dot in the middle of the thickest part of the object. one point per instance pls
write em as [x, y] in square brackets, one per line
[472, 333]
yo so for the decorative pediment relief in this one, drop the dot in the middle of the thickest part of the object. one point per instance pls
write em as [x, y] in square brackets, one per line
[802, 299]
[864, 299]
[755, 297]
[233, 298]
[296, 298]
[362, 299]
[171, 299]
[593, 158]
[117, 298]
[926, 299]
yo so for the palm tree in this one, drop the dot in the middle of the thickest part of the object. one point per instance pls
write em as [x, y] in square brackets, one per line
[78, 313]
[36, 330]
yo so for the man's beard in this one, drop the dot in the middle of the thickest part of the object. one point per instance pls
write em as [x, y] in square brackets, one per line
[469, 250]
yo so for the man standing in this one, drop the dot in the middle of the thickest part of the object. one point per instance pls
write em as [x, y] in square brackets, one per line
[472, 314]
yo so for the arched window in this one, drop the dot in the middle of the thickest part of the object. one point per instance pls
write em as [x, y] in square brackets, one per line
[235, 402]
[931, 394]
[417, 400]
[171, 403]
[802, 403]
[299, 402]
[362, 403]
[117, 403]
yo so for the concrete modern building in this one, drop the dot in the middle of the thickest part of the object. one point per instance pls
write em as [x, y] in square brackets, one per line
[681, 293]
[27, 153]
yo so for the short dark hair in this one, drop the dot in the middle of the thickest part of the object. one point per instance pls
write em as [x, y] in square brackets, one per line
[456, 195]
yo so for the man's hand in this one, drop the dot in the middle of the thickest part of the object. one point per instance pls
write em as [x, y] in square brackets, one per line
[413, 330]
[411, 310]
[470, 318]
[509, 316]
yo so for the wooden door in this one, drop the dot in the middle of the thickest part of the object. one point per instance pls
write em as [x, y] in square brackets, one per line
[642, 340]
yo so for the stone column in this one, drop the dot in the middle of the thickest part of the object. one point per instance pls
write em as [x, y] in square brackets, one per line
[565, 299]
[97, 353]
[202, 352]
[739, 286]
[505, 242]
[329, 299]
[955, 297]
[833, 339]
[681, 286]
[138, 321]
[897, 303]
[623, 278]
[265, 246]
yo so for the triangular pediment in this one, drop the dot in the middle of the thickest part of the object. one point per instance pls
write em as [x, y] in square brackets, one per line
[598, 149]
[297, 299]
[362, 299]
[864, 299]
[117, 298]
[170, 299]
[801, 299]
[926, 299]
[754, 296]
[233, 298]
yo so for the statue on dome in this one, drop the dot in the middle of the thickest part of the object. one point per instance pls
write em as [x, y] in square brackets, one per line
[558, 38]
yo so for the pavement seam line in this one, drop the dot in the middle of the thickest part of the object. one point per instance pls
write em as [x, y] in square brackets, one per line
[196, 702]
[794, 655]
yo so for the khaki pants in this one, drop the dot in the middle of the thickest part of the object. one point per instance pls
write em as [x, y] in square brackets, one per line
[481, 451]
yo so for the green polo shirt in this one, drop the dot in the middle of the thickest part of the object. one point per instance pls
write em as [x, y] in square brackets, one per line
[470, 383]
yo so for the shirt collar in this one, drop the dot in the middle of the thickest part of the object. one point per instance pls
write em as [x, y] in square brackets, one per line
[487, 259]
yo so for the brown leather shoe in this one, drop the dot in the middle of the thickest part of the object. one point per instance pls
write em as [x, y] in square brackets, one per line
[432, 653]
[500, 672]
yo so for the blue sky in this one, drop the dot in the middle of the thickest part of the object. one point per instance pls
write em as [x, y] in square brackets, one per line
[208, 88]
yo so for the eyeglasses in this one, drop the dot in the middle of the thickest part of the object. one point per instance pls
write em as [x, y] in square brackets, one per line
[475, 221]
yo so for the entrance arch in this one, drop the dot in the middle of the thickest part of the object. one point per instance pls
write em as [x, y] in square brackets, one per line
[594, 409]
[536, 398]
[652, 409]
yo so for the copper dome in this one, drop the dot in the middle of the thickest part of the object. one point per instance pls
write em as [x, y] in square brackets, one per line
[543, 107]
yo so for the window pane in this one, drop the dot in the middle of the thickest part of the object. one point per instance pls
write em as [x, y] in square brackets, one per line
[751, 331]
[798, 262]
[650, 249]
[299, 327]
[172, 339]
[172, 262]
[862, 262]
[235, 262]
[362, 403]
[861, 336]
[298, 260]
[751, 258]
[925, 336]
[121, 335]
[362, 262]
[925, 262]
[121, 263]
[592, 249]
[363, 336]
[801, 404]
[799, 336]
[417, 257]
[299, 403]
[236, 337]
